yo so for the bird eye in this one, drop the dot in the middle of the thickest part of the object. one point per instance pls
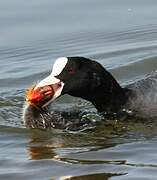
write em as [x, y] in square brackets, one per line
[71, 71]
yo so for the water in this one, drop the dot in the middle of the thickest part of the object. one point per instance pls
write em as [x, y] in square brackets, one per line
[121, 35]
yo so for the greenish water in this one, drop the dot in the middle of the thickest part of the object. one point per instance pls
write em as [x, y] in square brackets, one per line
[121, 35]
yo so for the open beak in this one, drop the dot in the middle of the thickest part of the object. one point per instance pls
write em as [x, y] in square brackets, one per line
[45, 91]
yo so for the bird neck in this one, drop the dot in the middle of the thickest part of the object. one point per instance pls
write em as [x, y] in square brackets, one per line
[109, 96]
[111, 102]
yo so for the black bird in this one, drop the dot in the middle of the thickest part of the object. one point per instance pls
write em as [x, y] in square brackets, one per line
[87, 79]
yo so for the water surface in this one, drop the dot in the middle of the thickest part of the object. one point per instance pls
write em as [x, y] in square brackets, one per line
[122, 36]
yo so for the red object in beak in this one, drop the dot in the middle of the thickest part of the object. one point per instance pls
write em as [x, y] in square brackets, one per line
[34, 95]
[38, 97]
